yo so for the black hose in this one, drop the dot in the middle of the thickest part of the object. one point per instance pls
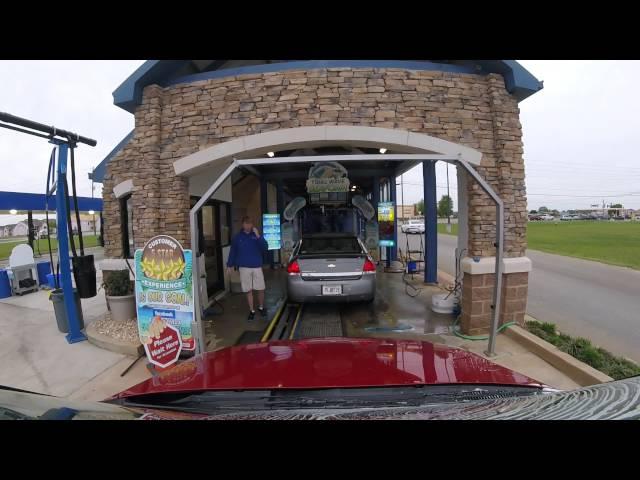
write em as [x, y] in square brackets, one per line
[69, 227]
[75, 197]
[52, 160]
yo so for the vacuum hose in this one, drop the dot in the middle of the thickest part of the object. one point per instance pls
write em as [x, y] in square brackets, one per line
[50, 174]
[456, 331]
[75, 198]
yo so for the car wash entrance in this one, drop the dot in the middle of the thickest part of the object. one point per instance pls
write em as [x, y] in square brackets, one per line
[327, 181]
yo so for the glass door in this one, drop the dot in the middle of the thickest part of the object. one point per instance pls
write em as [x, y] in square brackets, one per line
[214, 234]
[210, 248]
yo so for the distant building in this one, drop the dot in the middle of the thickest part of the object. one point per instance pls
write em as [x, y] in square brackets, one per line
[5, 230]
[20, 229]
[406, 211]
[86, 223]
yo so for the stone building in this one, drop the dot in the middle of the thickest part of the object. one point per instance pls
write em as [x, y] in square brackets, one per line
[188, 110]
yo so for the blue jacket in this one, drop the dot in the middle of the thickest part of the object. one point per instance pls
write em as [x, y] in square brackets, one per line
[247, 250]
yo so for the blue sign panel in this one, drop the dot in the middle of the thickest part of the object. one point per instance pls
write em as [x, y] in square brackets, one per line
[271, 230]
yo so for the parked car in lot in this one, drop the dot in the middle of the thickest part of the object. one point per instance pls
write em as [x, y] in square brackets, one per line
[413, 226]
[547, 217]
[330, 267]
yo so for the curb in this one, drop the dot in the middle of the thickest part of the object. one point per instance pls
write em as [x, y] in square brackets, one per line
[578, 371]
[112, 344]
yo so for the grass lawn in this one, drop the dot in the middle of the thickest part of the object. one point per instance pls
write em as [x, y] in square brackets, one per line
[582, 349]
[6, 247]
[615, 243]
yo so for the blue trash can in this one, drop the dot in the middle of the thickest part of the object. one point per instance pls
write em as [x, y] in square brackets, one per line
[5, 285]
[44, 269]
[51, 280]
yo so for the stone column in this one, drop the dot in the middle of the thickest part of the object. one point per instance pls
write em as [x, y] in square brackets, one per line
[147, 167]
[503, 167]
[477, 293]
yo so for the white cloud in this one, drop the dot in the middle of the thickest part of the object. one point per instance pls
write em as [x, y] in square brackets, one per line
[73, 95]
[579, 131]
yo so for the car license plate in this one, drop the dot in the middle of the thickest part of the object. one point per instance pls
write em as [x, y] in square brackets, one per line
[332, 290]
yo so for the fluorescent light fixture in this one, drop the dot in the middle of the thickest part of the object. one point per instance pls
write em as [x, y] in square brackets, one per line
[91, 212]
[270, 154]
[383, 150]
[13, 211]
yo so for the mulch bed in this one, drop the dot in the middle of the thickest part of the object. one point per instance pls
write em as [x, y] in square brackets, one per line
[126, 331]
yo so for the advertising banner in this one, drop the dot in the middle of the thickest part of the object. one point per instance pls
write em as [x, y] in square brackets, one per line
[164, 299]
[327, 177]
[271, 230]
[386, 217]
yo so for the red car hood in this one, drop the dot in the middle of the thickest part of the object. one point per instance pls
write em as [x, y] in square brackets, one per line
[329, 363]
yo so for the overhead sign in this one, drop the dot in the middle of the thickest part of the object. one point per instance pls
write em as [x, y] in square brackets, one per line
[386, 216]
[327, 177]
[271, 230]
[164, 292]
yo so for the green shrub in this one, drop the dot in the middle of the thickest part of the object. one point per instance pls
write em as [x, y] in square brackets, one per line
[582, 349]
[550, 328]
[117, 283]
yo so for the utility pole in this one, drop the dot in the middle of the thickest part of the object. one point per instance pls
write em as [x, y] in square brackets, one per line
[449, 200]
[402, 195]
[92, 188]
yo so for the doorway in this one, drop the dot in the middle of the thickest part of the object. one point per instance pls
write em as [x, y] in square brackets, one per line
[214, 227]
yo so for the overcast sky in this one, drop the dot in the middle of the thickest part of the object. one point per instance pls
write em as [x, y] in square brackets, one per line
[579, 131]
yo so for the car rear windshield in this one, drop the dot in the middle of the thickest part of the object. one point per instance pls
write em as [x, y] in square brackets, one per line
[330, 246]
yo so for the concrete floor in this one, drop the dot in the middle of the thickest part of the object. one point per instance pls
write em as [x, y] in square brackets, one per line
[387, 317]
[35, 356]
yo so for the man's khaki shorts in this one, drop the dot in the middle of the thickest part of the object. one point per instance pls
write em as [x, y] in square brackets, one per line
[251, 279]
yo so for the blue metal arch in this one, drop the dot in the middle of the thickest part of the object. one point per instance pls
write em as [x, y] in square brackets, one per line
[24, 202]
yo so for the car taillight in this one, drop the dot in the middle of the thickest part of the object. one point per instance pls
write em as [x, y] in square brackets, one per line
[293, 268]
[369, 266]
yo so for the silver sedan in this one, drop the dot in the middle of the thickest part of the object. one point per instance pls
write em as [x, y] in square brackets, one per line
[331, 268]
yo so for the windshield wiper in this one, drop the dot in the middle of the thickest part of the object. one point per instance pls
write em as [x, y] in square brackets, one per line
[8, 414]
[373, 397]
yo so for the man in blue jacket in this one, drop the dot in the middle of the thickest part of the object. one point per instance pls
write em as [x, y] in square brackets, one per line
[247, 248]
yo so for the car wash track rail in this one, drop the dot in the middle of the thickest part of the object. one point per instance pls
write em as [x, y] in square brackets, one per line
[294, 321]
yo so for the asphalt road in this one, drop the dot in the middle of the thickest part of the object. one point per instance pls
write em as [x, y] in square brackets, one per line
[583, 298]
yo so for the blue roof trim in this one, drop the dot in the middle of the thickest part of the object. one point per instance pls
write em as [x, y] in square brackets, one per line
[315, 64]
[129, 94]
[99, 171]
[37, 201]
[517, 79]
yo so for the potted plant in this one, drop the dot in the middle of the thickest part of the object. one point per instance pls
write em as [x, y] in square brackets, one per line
[121, 299]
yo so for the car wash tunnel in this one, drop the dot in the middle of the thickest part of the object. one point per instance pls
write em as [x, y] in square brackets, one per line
[317, 146]
[328, 215]
[337, 265]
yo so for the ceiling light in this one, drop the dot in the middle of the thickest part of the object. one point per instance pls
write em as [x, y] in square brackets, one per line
[270, 154]
[13, 211]
[383, 150]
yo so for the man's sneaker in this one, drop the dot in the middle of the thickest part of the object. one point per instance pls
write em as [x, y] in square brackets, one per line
[251, 316]
[263, 312]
